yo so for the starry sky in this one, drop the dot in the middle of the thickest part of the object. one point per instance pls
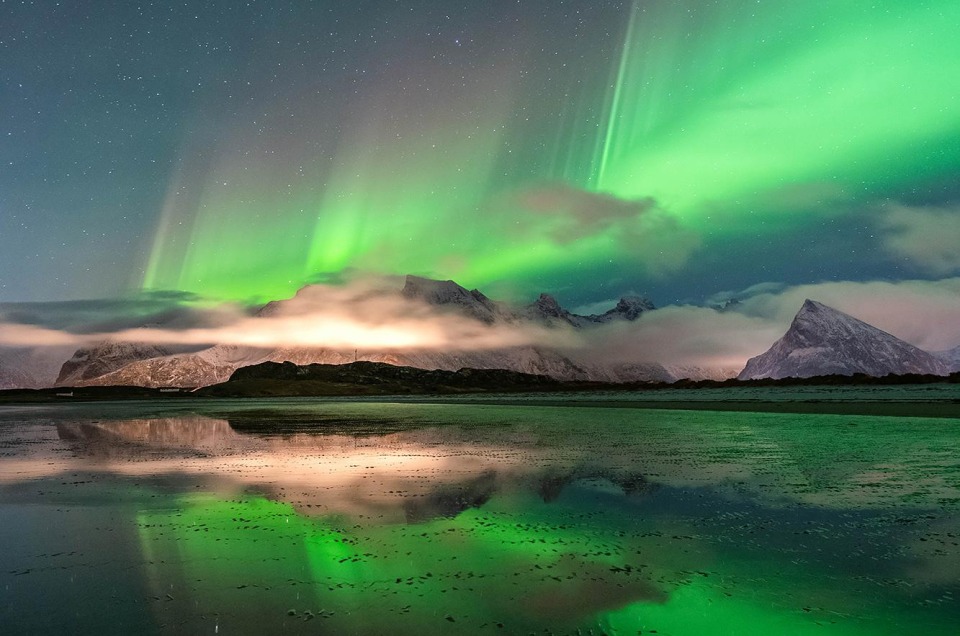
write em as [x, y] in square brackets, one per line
[679, 148]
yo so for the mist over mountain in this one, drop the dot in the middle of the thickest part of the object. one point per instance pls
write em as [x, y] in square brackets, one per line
[146, 364]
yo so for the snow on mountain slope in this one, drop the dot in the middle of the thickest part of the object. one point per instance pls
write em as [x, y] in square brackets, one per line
[148, 365]
[824, 341]
[446, 293]
[89, 363]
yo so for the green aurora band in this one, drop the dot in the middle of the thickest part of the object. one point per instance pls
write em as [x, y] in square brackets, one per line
[736, 118]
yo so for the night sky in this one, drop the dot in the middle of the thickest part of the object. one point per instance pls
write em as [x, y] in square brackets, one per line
[679, 148]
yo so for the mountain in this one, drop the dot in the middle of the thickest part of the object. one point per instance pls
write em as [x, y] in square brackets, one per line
[448, 294]
[547, 310]
[105, 357]
[110, 363]
[824, 341]
[210, 367]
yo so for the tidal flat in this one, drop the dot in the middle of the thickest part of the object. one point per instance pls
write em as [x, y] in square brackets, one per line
[492, 515]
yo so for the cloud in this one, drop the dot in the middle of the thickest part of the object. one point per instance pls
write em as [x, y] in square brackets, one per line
[150, 307]
[571, 214]
[686, 336]
[367, 313]
[642, 230]
[720, 298]
[17, 335]
[927, 237]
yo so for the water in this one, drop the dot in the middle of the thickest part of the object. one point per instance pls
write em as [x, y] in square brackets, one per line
[299, 516]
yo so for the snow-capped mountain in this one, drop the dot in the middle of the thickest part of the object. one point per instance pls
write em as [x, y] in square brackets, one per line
[148, 365]
[207, 367]
[89, 363]
[448, 294]
[824, 341]
[547, 310]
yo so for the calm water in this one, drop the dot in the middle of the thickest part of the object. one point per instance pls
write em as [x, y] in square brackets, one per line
[295, 516]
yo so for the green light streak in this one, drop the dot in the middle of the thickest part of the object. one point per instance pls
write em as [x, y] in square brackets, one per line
[616, 102]
[717, 110]
[840, 92]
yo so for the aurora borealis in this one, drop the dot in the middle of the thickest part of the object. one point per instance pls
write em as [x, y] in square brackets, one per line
[583, 148]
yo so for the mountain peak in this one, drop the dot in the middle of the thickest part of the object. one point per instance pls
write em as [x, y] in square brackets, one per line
[449, 293]
[813, 306]
[428, 288]
[628, 308]
[822, 340]
[632, 306]
[548, 305]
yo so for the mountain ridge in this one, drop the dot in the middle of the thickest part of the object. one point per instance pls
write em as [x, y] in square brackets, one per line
[149, 365]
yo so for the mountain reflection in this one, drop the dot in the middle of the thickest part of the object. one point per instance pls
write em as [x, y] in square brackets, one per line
[129, 439]
[412, 476]
[449, 500]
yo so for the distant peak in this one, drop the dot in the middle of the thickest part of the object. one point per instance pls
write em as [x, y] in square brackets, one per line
[629, 308]
[449, 293]
[546, 300]
[635, 302]
[419, 286]
[816, 310]
[420, 281]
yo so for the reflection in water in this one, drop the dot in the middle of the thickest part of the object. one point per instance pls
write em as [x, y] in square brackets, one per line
[416, 518]
[415, 475]
[451, 500]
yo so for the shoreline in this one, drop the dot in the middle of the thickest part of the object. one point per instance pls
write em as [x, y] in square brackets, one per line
[945, 407]
[926, 409]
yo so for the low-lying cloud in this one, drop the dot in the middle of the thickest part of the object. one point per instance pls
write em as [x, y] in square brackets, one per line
[366, 313]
